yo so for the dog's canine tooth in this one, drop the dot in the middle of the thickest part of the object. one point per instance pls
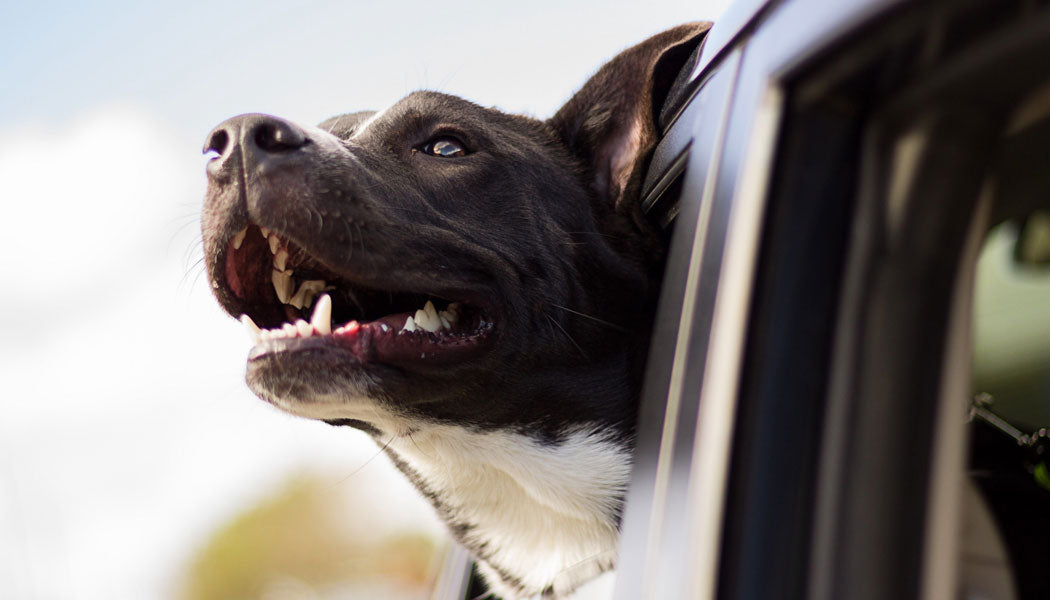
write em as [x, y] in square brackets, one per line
[239, 238]
[265, 232]
[305, 329]
[321, 320]
[283, 284]
[410, 325]
[280, 260]
[254, 332]
[275, 243]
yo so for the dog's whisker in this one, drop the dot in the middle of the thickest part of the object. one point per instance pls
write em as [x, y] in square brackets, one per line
[592, 318]
[413, 210]
[413, 440]
[381, 450]
[194, 245]
[598, 233]
[311, 212]
[189, 220]
[197, 265]
[558, 325]
[196, 269]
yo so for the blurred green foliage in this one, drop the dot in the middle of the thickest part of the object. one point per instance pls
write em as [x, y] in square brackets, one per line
[296, 544]
[1012, 330]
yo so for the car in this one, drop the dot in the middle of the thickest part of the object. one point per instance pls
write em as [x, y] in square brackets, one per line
[852, 190]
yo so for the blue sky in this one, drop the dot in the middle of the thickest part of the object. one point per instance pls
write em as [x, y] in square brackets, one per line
[197, 62]
[127, 433]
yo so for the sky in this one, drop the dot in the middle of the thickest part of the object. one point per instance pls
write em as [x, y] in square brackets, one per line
[126, 432]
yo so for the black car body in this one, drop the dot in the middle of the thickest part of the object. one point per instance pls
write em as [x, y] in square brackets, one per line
[830, 170]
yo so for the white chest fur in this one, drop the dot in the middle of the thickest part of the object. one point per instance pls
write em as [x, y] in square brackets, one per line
[546, 513]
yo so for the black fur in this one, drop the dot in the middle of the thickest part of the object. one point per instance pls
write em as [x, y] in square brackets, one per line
[538, 227]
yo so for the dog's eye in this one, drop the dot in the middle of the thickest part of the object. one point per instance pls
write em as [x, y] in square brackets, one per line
[445, 147]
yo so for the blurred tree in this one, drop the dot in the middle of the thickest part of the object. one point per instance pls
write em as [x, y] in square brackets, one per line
[298, 544]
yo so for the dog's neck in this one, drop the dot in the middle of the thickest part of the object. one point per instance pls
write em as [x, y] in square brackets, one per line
[532, 511]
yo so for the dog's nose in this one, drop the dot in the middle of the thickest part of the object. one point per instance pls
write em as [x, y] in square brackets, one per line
[256, 136]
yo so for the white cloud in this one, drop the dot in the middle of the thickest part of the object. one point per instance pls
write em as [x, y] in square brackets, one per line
[86, 200]
[126, 431]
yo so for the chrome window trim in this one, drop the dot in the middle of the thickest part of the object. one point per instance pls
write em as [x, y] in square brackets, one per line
[660, 429]
[718, 397]
[940, 574]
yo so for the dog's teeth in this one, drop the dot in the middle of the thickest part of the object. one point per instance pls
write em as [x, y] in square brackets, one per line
[275, 243]
[410, 325]
[239, 238]
[265, 232]
[427, 318]
[431, 325]
[444, 320]
[254, 332]
[306, 293]
[430, 310]
[283, 285]
[289, 329]
[280, 260]
[426, 322]
[305, 329]
[321, 320]
[384, 327]
[351, 327]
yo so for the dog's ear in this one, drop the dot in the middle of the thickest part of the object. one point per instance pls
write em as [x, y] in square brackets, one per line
[611, 123]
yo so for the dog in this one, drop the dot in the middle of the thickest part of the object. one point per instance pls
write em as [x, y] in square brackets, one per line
[473, 289]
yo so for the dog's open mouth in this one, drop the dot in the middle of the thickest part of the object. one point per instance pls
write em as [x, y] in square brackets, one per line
[292, 302]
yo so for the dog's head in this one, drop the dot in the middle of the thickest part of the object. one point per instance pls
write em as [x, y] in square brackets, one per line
[478, 282]
[460, 264]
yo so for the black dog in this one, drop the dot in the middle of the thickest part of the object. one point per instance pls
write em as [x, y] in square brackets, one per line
[492, 283]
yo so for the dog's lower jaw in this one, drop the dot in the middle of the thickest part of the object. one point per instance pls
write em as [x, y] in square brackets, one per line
[541, 517]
